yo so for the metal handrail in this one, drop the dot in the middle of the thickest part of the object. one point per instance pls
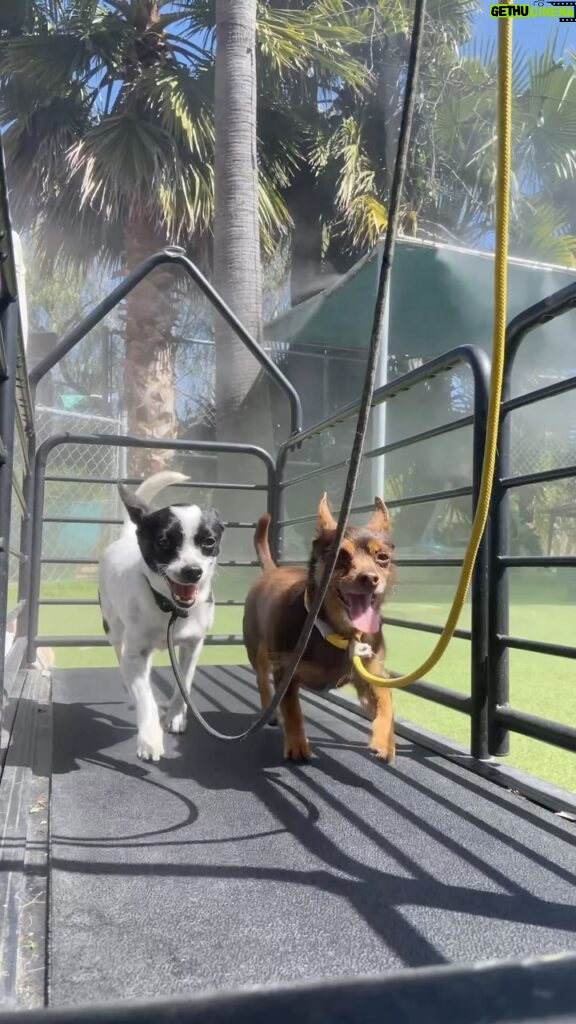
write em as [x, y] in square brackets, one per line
[475, 705]
[176, 257]
[502, 718]
[115, 441]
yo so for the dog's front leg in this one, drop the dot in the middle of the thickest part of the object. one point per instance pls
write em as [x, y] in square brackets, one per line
[296, 746]
[136, 672]
[378, 701]
[175, 716]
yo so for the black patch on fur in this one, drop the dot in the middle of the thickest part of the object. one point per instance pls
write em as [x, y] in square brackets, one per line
[209, 533]
[160, 537]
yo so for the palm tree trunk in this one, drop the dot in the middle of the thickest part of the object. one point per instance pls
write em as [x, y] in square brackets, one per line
[237, 264]
[149, 365]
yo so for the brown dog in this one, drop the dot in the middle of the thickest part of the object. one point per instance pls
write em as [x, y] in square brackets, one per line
[275, 612]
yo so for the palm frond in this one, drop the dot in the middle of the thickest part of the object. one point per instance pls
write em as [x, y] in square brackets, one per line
[119, 163]
[541, 234]
[49, 61]
[293, 40]
[180, 103]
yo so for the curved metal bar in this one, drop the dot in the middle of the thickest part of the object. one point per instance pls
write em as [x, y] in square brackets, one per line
[176, 256]
[540, 313]
[114, 441]
[471, 355]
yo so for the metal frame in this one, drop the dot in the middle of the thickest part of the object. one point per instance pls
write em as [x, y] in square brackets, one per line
[176, 257]
[490, 716]
[488, 702]
[118, 441]
[502, 718]
[16, 427]
[494, 992]
[476, 704]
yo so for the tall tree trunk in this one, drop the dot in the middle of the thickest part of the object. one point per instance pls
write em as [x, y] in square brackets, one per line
[149, 365]
[237, 265]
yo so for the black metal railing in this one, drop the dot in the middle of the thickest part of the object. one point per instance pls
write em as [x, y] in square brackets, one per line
[16, 438]
[487, 703]
[176, 257]
[38, 558]
[504, 719]
[475, 704]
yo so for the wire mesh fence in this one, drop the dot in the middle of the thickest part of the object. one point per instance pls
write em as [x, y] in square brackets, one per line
[84, 500]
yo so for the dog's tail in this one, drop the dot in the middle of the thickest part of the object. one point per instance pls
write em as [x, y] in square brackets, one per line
[157, 483]
[261, 544]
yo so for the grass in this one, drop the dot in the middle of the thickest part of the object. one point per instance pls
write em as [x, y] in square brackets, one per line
[542, 608]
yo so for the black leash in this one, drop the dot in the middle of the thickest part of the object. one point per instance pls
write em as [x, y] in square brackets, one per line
[256, 726]
[363, 414]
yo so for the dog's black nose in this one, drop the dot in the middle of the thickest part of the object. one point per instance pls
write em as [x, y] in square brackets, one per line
[369, 579]
[191, 574]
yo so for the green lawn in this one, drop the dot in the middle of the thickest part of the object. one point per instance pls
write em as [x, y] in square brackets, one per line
[539, 684]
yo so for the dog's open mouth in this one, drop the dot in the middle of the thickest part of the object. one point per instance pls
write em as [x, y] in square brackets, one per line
[184, 594]
[361, 611]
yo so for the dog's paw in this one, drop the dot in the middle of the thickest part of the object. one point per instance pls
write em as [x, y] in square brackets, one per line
[176, 724]
[296, 748]
[384, 751]
[150, 746]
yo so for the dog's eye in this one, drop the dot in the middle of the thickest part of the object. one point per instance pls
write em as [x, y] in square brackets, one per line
[209, 544]
[383, 558]
[344, 559]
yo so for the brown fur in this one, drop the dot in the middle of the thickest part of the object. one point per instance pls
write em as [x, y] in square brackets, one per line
[274, 614]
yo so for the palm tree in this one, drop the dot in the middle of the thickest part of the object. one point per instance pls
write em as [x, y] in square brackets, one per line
[108, 110]
[342, 186]
[544, 154]
[109, 143]
[237, 265]
[347, 130]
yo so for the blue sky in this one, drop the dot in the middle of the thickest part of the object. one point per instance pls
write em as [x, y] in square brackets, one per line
[530, 33]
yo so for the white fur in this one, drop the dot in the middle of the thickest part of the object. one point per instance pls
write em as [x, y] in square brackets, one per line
[137, 625]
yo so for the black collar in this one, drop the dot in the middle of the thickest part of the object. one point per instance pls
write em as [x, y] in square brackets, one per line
[165, 604]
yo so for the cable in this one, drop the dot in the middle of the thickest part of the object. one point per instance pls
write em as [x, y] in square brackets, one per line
[503, 178]
[365, 404]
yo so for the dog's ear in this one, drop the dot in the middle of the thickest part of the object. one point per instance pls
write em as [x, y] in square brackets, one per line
[325, 522]
[380, 519]
[135, 507]
[214, 521]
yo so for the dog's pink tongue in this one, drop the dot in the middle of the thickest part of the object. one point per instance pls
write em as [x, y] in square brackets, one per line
[362, 614]
[185, 592]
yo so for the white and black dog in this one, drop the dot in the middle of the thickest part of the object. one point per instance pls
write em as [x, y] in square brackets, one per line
[162, 563]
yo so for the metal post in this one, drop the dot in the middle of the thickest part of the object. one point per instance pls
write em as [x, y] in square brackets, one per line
[499, 597]
[479, 591]
[379, 412]
[37, 512]
[278, 512]
[26, 538]
[9, 330]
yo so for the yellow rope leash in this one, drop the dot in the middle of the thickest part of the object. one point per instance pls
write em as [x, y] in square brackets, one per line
[498, 352]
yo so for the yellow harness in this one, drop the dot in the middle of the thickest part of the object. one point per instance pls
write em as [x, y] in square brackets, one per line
[326, 631]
